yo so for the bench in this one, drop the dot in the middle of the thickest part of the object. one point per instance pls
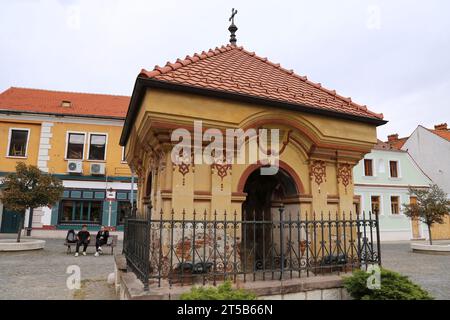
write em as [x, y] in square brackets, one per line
[112, 243]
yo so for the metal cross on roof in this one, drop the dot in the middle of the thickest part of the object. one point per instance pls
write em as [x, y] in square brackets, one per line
[232, 28]
[233, 13]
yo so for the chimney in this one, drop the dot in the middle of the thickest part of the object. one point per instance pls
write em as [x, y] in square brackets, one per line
[442, 126]
[393, 137]
[66, 104]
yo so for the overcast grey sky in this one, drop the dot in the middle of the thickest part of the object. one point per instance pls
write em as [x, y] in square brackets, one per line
[393, 56]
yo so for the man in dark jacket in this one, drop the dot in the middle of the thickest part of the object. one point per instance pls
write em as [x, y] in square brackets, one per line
[101, 239]
[83, 238]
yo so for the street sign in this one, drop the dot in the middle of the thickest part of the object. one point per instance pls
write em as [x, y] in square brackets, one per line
[110, 195]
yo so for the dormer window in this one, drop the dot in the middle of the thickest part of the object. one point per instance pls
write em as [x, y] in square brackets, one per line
[66, 104]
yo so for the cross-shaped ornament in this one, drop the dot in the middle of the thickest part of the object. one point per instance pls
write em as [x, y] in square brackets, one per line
[233, 13]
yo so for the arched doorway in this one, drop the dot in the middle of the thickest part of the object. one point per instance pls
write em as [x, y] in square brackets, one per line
[265, 193]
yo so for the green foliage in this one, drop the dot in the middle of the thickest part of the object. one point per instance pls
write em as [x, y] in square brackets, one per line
[222, 292]
[394, 286]
[431, 206]
[28, 187]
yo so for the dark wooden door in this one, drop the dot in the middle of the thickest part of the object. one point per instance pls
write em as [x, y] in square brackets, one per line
[10, 222]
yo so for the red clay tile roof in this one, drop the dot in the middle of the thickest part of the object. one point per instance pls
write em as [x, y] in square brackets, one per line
[233, 69]
[49, 102]
[387, 146]
[442, 133]
[398, 144]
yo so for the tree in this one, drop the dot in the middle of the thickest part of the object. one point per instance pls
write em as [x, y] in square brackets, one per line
[29, 188]
[431, 206]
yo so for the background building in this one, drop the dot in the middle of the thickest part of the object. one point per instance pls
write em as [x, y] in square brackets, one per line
[430, 149]
[382, 179]
[74, 136]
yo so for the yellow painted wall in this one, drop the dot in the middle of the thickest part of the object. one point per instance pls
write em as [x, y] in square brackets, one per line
[441, 231]
[8, 164]
[201, 188]
[57, 163]
[189, 107]
[114, 165]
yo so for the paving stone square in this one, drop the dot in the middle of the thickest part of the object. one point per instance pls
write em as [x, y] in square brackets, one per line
[41, 274]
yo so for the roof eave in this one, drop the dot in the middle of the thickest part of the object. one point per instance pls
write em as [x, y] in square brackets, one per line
[55, 114]
[142, 82]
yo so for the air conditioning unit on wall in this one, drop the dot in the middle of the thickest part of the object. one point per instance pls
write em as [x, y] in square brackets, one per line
[74, 167]
[97, 168]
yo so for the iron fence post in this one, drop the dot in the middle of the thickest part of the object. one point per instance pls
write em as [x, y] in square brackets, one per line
[377, 226]
[281, 210]
[147, 246]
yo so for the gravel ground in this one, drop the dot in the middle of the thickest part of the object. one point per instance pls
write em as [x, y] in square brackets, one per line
[432, 272]
[41, 274]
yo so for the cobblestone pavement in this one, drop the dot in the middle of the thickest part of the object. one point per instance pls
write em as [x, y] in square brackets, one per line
[432, 272]
[41, 274]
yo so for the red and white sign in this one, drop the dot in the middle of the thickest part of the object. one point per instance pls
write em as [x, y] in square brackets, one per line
[110, 195]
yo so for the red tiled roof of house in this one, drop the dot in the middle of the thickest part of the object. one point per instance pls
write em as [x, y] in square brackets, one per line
[398, 144]
[442, 131]
[442, 134]
[387, 146]
[233, 69]
[50, 102]
[395, 142]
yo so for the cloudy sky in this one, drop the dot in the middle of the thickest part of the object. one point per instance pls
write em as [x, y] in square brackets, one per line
[393, 56]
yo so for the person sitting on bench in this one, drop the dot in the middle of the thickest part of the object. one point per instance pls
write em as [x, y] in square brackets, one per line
[83, 238]
[101, 239]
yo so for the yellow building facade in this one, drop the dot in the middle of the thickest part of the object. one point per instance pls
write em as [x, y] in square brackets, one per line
[75, 137]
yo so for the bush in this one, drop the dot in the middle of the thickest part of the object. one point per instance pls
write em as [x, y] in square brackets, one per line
[222, 292]
[394, 286]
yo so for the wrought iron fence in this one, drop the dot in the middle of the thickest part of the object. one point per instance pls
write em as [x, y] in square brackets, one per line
[136, 246]
[203, 248]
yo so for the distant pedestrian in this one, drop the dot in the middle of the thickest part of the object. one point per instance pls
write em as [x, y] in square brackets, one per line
[101, 239]
[83, 238]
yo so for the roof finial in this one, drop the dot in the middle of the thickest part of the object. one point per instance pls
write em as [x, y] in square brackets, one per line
[232, 28]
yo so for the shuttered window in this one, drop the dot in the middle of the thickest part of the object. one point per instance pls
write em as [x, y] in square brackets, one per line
[395, 206]
[368, 169]
[393, 167]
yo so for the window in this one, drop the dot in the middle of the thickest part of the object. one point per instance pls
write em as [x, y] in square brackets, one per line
[357, 208]
[18, 141]
[75, 146]
[395, 209]
[368, 172]
[393, 167]
[123, 155]
[97, 147]
[123, 209]
[381, 167]
[81, 211]
[375, 204]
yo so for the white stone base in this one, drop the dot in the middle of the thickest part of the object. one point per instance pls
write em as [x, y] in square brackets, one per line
[319, 294]
[431, 249]
[23, 245]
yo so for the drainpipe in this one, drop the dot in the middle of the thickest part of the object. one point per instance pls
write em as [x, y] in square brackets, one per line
[132, 191]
